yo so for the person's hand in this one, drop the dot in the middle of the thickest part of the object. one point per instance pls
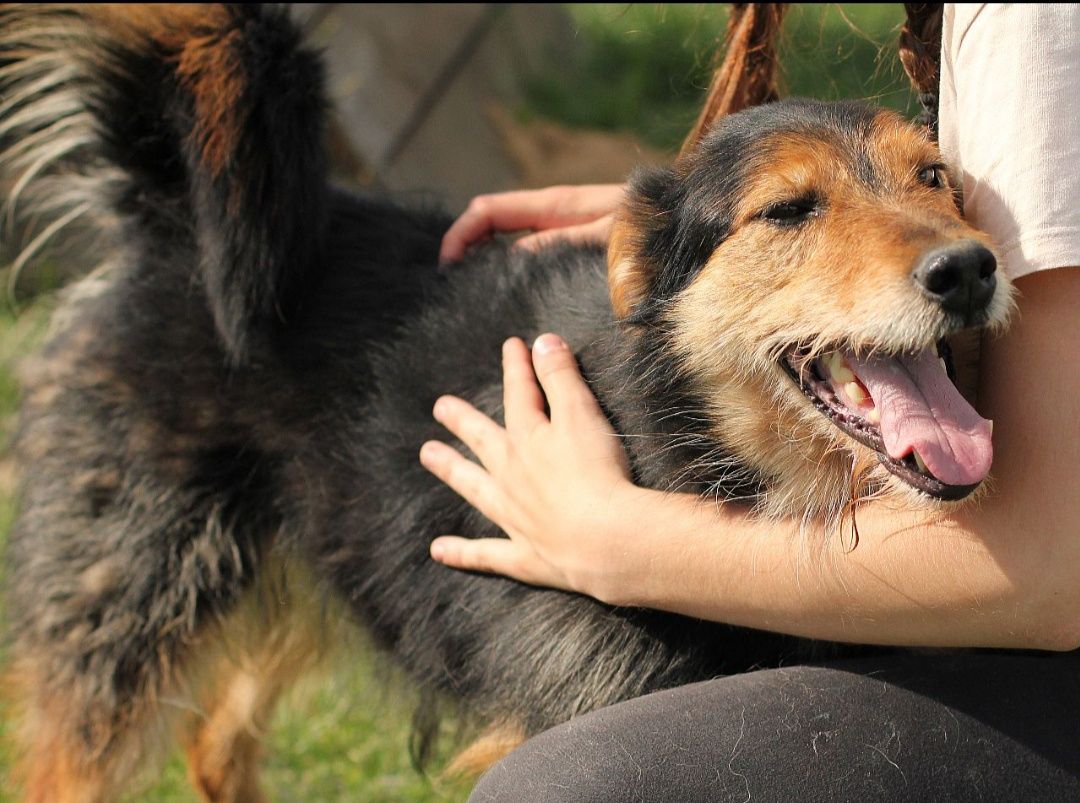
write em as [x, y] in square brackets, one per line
[572, 214]
[559, 486]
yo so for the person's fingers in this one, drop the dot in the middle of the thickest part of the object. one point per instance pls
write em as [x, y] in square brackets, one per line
[468, 480]
[595, 233]
[458, 250]
[505, 211]
[526, 209]
[492, 555]
[475, 222]
[486, 439]
[523, 401]
[567, 393]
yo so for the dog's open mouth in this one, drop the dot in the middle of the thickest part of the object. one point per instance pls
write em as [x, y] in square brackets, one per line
[907, 409]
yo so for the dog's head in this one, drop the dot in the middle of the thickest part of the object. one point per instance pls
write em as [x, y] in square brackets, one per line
[806, 263]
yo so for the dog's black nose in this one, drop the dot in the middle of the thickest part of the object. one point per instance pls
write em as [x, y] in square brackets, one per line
[959, 277]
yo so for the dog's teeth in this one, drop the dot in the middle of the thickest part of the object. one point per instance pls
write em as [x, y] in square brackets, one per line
[991, 426]
[944, 367]
[919, 462]
[873, 416]
[855, 392]
[838, 369]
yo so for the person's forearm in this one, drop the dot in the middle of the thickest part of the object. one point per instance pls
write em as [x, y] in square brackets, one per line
[910, 580]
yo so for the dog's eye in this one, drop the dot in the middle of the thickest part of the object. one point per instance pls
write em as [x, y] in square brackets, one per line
[932, 176]
[791, 213]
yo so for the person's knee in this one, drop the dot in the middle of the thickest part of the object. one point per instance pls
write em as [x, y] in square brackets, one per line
[888, 728]
[562, 765]
[660, 747]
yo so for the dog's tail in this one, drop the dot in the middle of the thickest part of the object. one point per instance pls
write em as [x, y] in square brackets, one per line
[191, 128]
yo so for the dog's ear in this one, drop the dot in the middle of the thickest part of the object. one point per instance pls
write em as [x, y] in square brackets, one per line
[670, 222]
[632, 267]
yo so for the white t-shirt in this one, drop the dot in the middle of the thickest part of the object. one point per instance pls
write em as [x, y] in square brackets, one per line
[1010, 124]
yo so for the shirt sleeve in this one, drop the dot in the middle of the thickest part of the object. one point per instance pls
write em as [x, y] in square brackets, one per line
[1010, 123]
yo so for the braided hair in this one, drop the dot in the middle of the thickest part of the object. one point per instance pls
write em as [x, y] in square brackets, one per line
[747, 75]
[920, 53]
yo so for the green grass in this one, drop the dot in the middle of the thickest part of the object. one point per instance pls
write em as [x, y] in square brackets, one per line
[337, 738]
[644, 68]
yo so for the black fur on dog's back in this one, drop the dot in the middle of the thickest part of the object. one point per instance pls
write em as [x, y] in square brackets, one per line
[513, 652]
[254, 370]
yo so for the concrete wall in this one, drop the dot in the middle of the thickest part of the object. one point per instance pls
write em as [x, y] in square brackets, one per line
[417, 87]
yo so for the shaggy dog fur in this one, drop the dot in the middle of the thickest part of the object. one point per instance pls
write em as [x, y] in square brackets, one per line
[222, 430]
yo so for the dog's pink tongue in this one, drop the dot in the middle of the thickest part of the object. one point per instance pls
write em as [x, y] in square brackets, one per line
[921, 409]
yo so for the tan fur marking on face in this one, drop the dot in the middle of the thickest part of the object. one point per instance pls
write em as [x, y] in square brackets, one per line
[841, 278]
[786, 167]
[899, 149]
[806, 473]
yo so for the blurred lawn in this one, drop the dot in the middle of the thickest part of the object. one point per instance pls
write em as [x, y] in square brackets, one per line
[640, 68]
[644, 68]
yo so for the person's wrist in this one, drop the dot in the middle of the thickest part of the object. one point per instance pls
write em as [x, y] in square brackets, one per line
[618, 571]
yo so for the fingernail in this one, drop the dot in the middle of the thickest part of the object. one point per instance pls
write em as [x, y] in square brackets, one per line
[546, 344]
[528, 245]
[440, 549]
[427, 453]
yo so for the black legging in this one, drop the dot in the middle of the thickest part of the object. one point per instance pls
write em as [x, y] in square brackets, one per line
[971, 727]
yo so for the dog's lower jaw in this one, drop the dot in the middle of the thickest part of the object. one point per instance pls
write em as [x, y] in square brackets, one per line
[803, 476]
[825, 494]
[809, 470]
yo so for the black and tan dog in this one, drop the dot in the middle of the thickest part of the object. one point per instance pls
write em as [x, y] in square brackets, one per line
[221, 432]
